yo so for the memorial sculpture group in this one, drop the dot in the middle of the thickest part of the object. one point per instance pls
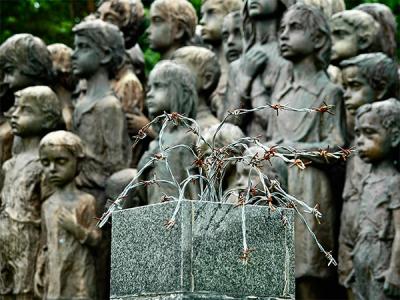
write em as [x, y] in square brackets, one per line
[281, 103]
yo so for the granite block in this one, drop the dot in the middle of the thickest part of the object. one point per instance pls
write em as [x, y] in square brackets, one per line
[199, 258]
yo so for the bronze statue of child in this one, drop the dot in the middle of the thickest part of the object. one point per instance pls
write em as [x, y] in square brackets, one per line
[252, 78]
[305, 41]
[172, 88]
[203, 63]
[128, 15]
[36, 112]
[232, 44]
[172, 26]
[376, 255]
[98, 117]
[66, 268]
[366, 78]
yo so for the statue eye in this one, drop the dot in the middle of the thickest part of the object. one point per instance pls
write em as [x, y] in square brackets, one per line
[45, 162]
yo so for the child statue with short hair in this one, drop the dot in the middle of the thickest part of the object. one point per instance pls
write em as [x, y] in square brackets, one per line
[366, 78]
[36, 112]
[98, 117]
[172, 26]
[68, 226]
[203, 63]
[305, 41]
[172, 88]
[376, 255]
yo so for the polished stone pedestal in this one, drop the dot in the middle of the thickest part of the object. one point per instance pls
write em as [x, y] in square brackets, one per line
[200, 256]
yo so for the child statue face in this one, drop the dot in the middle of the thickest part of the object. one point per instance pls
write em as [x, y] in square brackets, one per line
[259, 8]
[232, 37]
[211, 21]
[357, 92]
[344, 41]
[157, 96]
[27, 119]
[86, 58]
[14, 79]
[161, 32]
[59, 164]
[372, 139]
[295, 40]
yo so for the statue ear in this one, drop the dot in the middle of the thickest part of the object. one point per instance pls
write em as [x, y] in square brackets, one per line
[365, 41]
[106, 57]
[179, 32]
[319, 40]
[381, 91]
[207, 80]
[395, 136]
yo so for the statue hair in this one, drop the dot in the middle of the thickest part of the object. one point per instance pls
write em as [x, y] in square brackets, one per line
[180, 12]
[387, 21]
[68, 140]
[249, 26]
[105, 37]
[48, 103]
[317, 24]
[132, 16]
[328, 7]
[379, 70]
[362, 23]
[181, 84]
[29, 53]
[203, 60]
[226, 5]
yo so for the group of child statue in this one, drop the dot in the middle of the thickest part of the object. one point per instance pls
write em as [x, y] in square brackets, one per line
[69, 117]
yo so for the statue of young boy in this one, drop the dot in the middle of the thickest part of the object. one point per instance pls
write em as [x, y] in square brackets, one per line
[98, 117]
[376, 255]
[37, 111]
[353, 32]
[203, 63]
[252, 78]
[128, 15]
[68, 226]
[305, 41]
[172, 26]
[366, 78]
[172, 88]
[65, 82]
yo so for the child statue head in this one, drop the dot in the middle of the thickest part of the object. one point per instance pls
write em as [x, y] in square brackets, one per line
[387, 29]
[256, 10]
[353, 32]
[213, 13]
[128, 15]
[171, 88]
[203, 63]
[97, 44]
[36, 112]
[232, 40]
[304, 31]
[61, 153]
[367, 78]
[378, 131]
[25, 61]
[172, 25]
[62, 65]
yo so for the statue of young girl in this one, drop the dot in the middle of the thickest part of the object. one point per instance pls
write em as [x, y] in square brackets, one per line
[305, 41]
[260, 66]
[172, 88]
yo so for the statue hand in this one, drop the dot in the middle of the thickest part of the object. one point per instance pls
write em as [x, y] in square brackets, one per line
[253, 61]
[391, 286]
[68, 221]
